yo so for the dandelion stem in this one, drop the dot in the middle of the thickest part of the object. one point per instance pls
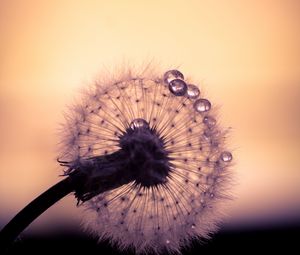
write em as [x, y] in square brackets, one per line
[34, 209]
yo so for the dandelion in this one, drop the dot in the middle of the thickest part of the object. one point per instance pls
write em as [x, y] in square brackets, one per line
[146, 156]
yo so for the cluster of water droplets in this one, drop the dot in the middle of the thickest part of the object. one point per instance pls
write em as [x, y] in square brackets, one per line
[189, 203]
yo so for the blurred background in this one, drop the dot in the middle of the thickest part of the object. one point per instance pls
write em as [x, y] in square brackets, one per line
[245, 55]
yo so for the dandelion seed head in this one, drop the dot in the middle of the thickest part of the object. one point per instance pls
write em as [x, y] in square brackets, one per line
[152, 158]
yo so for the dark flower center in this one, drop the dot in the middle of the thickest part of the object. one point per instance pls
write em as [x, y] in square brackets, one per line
[142, 158]
[146, 157]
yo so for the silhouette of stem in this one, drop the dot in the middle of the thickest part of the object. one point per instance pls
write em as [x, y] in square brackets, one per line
[34, 209]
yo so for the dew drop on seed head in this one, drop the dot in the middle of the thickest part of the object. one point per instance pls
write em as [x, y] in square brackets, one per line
[202, 105]
[192, 91]
[167, 241]
[178, 87]
[226, 156]
[139, 123]
[172, 75]
[209, 121]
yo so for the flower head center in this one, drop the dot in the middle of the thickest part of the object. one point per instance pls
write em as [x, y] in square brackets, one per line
[147, 158]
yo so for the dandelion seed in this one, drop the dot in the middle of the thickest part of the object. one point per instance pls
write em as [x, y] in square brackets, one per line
[144, 162]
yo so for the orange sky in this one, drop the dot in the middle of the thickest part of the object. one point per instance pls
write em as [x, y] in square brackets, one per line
[244, 54]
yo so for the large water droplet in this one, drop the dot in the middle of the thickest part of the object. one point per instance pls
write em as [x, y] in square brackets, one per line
[209, 121]
[172, 75]
[178, 87]
[138, 123]
[192, 91]
[202, 105]
[226, 156]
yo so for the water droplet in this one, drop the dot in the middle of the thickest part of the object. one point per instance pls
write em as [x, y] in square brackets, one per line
[139, 123]
[172, 75]
[210, 180]
[177, 87]
[193, 226]
[207, 135]
[168, 241]
[209, 121]
[226, 156]
[202, 105]
[192, 91]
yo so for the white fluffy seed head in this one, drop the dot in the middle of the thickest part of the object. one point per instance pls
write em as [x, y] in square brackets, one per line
[190, 203]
